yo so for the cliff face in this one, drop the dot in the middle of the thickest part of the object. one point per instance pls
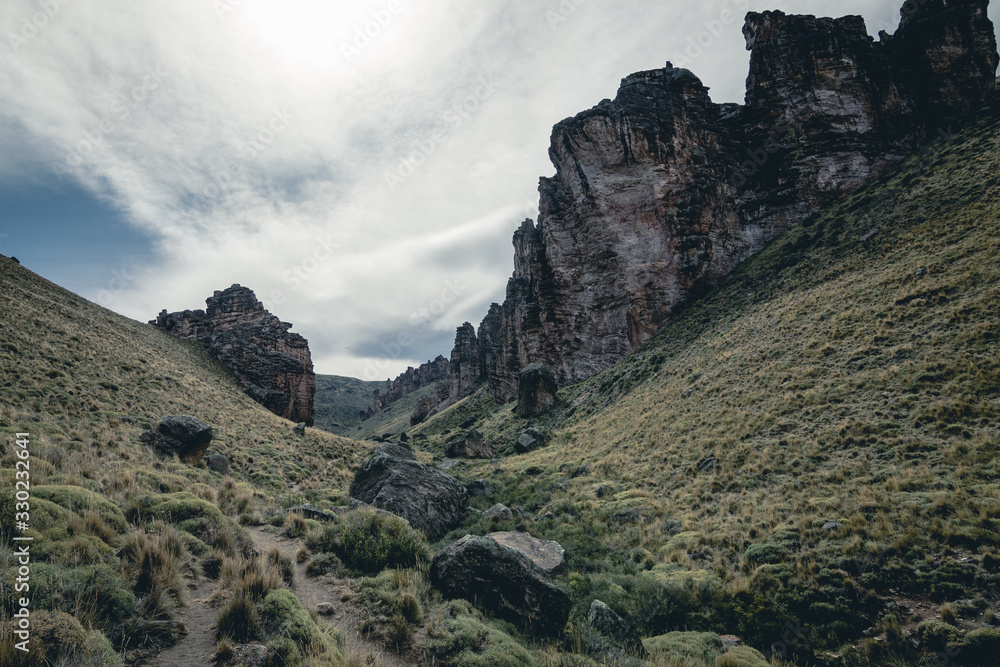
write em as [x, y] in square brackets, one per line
[273, 365]
[409, 382]
[661, 192]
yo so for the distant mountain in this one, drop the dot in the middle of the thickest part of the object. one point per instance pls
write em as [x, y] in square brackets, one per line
[340, 400]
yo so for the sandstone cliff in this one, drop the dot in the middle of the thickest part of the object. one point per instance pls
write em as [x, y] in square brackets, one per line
[273, 365]
[661, 192]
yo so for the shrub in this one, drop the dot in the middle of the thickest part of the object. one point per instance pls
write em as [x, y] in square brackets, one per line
[322, 564]
[937, 635]
[982, 646]
[77, 499]
[94, 592]
[741, 656]
[765, 553]
[369, 542]
[283, 564]
[237, 619]
[694, 646]
[58, 639]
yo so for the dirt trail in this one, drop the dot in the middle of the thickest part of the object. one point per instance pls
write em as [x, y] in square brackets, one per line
[312, 591]
[194, 649]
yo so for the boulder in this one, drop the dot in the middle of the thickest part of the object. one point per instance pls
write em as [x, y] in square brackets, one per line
[325, 609]
[299, 429]
[429, 499]
[217, 463]
[480, 487]
[398, 451]
[500, 580]
[469, 446]
[547, 555]
[529, 441]
[536, 391]
[183, 435]
[312, 512]
[499, 512]
[611, 635]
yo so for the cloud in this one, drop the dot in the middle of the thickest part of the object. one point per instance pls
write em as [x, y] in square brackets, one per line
[347, 161]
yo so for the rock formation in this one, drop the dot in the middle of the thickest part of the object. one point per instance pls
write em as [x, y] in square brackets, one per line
[186, 436]
[466, 368]
[410, 381]
[272, 364]
[661, 192]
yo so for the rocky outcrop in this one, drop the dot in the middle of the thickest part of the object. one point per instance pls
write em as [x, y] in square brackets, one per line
[410, 381]
[469, 446]
[536, 391]
[499, 579]
[272, 364]
[466, 367]
[429, 499]
[186, 436]
[661, 192]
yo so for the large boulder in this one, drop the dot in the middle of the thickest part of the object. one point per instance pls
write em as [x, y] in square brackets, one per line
[610, 635]
[469, 446]
[398, 451]
[536, 390]
[547, 555]
[503, 581]
[529, 441]
[429, 499]
[217, 463]
[183, 435]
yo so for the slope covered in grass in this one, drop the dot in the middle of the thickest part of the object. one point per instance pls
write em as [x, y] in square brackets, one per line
[338, 401]
[812, 446]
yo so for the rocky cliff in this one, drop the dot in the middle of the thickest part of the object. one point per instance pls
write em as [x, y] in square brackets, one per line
[273, 365]
[661, 192]
[410, 381]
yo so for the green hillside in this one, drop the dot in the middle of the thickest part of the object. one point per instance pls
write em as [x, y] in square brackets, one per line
[807, 457]
[338, 401]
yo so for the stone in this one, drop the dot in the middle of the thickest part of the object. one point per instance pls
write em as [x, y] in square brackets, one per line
[469, 446]
[529, 441]
[832, 525]
[398, 451]
[465, 370]
[581, 471]
[499, 512]
[413, 379]
[186, 436]
[272, 364]
[660, 193]
[502, 581]
[249, 655]
[310, 511]
[707, 465]
[536, 391]
[325, 609]
[299, 429]
[429, 499]
[611, 635]
[548, 555]
[217, 463]
[920, 273]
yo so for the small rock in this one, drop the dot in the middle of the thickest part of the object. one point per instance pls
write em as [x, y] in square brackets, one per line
[469, 446]
[832, 525]
[581, 471]
[730, 641]
[217, 463]
[313, 512]
[499, 512]
[688, 393]
[708, 465]
[920, 273]
[480, 487]
[529, 441]
[611, 634]
[299, 429]
[325, 609]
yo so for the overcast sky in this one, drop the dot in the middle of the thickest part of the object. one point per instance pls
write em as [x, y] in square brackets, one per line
[366, 186]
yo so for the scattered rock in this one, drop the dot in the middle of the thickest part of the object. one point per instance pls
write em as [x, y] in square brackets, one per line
[730, 641]
[397, 451]
[217, 463]
[249, 655]
[581, 471]
[15, 260]
[183, 435]
[312, 512]
[920, 273]
[832, 525]
[498, 579]
[446, 464]
[536, 391]
[299, 429]
[529, 441]
[611, 635]
[427, 498]
[325, 609]
[469, 446]
[499, 512]
[688, 393]
[547, 555]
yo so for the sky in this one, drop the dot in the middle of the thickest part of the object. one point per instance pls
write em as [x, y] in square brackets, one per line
[360, 165]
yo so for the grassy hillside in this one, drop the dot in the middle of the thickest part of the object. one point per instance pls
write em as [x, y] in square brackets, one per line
[338, 401]
[807, 457]
[395, 418]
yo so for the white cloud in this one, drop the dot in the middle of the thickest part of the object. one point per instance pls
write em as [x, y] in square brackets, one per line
[257, 152]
